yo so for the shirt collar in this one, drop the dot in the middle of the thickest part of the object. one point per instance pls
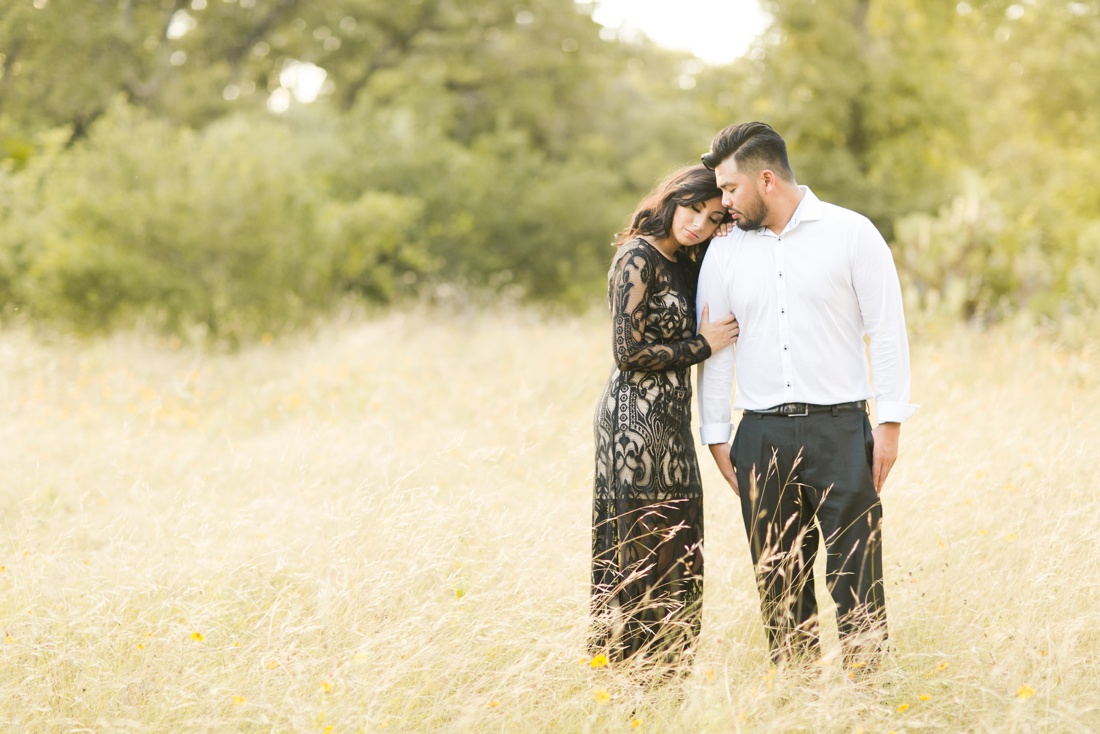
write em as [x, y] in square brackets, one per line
[808, 210]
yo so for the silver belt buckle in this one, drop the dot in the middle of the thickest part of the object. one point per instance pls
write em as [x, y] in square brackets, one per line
[805, 412]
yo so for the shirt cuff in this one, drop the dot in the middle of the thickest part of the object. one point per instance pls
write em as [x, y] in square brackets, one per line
[890, 412]
[715, 433]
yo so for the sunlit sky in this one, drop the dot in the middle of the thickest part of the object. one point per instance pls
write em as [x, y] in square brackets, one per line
[718, 31]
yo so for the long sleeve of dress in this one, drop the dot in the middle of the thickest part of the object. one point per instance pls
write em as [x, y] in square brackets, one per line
[632, 284]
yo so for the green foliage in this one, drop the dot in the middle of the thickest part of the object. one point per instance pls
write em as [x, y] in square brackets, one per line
[954, 263]
[373, 244]
[224, 229]
[499, 145]
[145, 218]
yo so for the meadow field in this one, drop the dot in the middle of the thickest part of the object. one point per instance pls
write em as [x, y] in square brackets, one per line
[383, 525]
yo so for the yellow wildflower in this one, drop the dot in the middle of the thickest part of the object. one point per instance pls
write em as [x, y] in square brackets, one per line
[1025, 692]
[599, 661]
[903, 708]
[238, 700]
[635, 724]
[494, 704]
[601, 696]
[196, 636]
[925, 697]
[326, 686]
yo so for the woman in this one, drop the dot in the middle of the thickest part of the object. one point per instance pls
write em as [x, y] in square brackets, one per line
[647, 530]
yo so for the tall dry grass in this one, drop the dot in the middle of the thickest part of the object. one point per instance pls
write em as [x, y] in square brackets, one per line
[385, 526]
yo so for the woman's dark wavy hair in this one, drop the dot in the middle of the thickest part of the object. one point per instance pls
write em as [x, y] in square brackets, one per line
[685, 187]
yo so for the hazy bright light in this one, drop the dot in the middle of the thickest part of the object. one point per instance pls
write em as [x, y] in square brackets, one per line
[181, 24]
[717, 31]
[279, 101]
[303, 79]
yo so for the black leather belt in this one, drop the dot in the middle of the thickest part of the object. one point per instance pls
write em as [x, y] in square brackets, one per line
[797, 410]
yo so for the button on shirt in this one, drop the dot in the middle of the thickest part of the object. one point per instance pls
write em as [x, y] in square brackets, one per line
[804, 300]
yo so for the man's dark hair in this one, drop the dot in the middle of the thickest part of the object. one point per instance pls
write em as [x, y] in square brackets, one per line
[754, 147]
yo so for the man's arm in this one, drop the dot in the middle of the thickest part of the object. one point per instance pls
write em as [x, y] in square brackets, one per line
[879, 293]
[715, 375]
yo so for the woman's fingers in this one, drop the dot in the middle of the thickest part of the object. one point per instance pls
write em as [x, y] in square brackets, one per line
[725, 330]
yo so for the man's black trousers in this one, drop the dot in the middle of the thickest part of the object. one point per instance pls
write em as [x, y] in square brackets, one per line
[806, 482]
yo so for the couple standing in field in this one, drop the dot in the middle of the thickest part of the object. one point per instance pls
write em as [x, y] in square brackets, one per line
[784, 299]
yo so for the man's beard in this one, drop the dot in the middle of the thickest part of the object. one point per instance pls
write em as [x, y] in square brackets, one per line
[752, 219]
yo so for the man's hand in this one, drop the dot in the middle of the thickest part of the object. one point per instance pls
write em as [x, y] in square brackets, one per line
[721, 454]
[886, 452]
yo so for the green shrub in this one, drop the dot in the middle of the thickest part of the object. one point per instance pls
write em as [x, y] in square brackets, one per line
[228, 230]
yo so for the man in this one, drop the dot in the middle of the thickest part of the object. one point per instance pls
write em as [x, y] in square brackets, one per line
[806, 280]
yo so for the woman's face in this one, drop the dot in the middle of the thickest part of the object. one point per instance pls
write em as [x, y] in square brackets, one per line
[696, 223]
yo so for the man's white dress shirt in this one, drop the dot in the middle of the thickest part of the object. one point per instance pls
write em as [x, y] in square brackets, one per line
[804, 299]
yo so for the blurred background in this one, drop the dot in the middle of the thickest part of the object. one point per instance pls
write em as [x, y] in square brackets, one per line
[232, 168]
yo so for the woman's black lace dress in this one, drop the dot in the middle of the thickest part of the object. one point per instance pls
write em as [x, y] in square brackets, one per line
[647, 525]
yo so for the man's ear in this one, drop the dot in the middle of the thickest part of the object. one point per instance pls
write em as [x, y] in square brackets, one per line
[767, 178]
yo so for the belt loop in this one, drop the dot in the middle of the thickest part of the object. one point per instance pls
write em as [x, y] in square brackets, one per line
[835, 410]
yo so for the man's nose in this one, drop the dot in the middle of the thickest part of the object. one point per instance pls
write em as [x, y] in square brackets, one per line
[727, 200]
